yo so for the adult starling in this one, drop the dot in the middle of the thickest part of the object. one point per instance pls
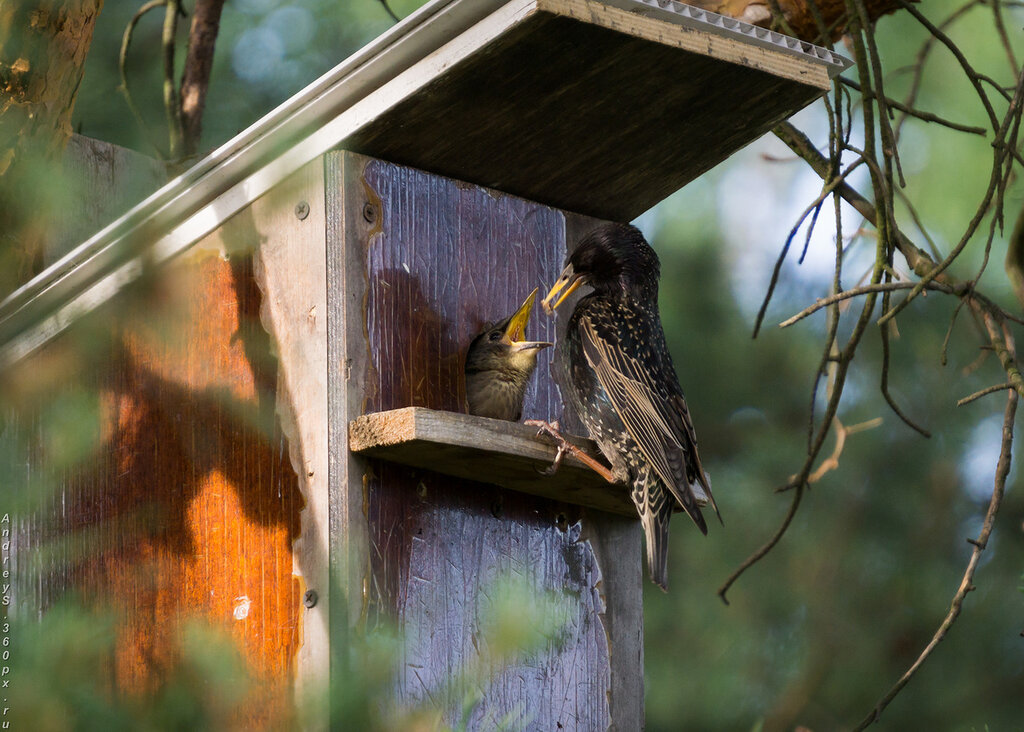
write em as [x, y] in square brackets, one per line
[623, 385]
[498, 366]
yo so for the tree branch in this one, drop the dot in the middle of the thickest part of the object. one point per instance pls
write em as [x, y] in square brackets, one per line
[967, 583]
[171, 104]
[195, 80]
[919, 114]
[856, 292]
[122, 64]
[984, 392]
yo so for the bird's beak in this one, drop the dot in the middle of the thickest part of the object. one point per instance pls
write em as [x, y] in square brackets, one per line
[515, 331]
[568, 277]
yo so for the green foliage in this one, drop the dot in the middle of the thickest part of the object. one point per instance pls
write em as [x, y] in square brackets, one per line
[63, 676]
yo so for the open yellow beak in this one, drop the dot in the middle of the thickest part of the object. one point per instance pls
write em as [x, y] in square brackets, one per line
[515, 331]
[567, 278]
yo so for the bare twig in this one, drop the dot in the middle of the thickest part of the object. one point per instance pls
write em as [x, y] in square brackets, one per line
[967, 582]
[856, 292]
[171, 105]
[969, 71]
[122, 63]
[922, 57]
[995, 185]
[984, 392]
[1004, 37]
[884, 384]
[195, 80]
[766, 547]
[389, 11]
[814, 207]
[918, 259]
[943, 359]
[1002, 343]
[919, 114]
[832, 461]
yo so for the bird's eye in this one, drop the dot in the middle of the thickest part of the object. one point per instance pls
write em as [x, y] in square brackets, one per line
[495, 335]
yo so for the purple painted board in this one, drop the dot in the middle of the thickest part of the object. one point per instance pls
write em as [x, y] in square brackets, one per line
[438, 260]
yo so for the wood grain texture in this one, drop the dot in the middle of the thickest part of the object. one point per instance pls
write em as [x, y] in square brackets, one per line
[507, 454]
[588, 108]
[123, 176]
[291, 270]
[438, 260]
[188, 507]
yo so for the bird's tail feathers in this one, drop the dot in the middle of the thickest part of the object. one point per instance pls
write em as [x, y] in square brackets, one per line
[702, 494]
[656, 539]
[654, 505]
[687, 498]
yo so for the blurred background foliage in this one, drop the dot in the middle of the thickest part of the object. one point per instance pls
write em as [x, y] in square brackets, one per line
[821, 628]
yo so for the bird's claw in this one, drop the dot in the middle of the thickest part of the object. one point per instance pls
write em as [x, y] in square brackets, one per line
[556, 464]
[551, 430]
[546, 428]
[564, 446]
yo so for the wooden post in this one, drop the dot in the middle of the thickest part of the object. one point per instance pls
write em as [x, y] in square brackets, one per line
[417, 264]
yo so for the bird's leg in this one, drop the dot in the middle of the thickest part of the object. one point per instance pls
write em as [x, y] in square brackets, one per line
[564, 446]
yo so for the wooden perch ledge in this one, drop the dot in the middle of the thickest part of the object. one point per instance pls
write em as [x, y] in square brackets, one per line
[507, 454]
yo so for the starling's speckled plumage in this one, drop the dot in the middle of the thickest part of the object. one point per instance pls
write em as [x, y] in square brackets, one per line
[624, 386]
[498, 366]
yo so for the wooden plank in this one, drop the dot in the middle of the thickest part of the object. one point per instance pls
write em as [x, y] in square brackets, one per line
[586, 107]
[198, 442]
[487, 450]
[290, 267]
[348, 363]
[187, 508]
[437, 259]
[101, 182]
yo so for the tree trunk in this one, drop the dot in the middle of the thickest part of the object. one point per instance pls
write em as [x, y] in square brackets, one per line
[43, 45]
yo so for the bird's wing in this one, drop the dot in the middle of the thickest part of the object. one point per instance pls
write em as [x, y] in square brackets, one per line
[663, 433]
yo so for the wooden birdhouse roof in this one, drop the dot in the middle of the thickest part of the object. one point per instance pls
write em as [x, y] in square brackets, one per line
[602, 107]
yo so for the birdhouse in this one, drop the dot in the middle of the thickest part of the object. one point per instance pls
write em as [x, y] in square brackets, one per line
[297, 462]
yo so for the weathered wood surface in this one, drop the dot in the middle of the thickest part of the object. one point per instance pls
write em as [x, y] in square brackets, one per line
[188, 506]
[507, 454]
[425, 262]
[586, 107]
[291, 270]
[101, 181]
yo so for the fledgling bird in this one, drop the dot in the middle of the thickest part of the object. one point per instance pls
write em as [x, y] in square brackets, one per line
[624, 387]
[498, 366]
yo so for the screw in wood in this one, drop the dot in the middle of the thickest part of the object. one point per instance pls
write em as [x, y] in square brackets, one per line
[369, 213]
[310, 598]
[302, 210]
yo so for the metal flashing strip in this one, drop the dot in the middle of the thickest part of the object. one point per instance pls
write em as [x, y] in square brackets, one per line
[722, 25]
